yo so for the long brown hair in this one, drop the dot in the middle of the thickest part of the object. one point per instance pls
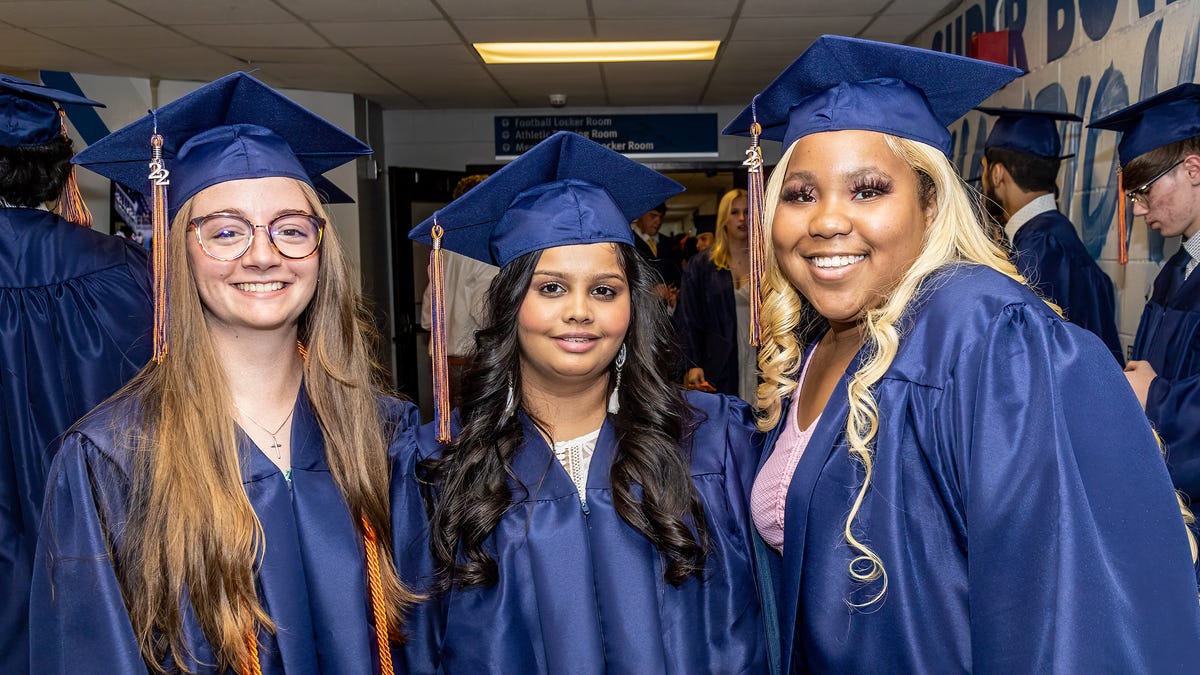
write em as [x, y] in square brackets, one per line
[191, 527]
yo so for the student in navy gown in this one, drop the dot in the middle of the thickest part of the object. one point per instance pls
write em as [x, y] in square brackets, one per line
[712, 316]
[228, 510]
[588, 516]
[958, 479]
[1021, 157]
[75, 307]
[1159, 153]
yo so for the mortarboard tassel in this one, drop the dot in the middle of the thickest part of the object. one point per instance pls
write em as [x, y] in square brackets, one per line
[1122, 229]
[441, 367]
[71, 206]
[159, 180]
[758, 251]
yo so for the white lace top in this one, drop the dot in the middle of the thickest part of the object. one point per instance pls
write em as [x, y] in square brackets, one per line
[575, 456]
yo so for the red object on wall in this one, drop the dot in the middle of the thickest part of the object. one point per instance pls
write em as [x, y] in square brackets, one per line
[992, 46]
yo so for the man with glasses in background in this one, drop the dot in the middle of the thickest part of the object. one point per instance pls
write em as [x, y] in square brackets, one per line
[1159, 153]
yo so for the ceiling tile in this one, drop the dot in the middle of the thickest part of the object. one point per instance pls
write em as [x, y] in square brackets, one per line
[317, 77]
[781, 8]
[664, 9]
[15, 38]
[362, 10]
[182, 63]
[59, 58]
[210, 11]
[387, 33]
[267, 55]
[657, 29]
[774, 29]
[143, 37]
[46, 13]
[445, 56]
[525, 30]
[491, 9]
[294, 34]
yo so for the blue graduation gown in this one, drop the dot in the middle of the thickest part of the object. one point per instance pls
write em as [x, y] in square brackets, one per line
[1169, 338]
[1019, 503]
[1048, 251]
[312, 581]
[706, 322]
[580, 591]
[75, 315]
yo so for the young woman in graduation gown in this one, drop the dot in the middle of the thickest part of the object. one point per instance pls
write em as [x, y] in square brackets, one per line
[588, 516]
[228, 510]
[712, 314]
[957, 479]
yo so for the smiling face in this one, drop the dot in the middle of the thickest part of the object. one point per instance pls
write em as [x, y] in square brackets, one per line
[262, 290]
[849, 222]
[574, 316]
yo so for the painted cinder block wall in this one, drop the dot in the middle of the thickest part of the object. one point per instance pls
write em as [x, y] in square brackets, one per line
[1089, 57]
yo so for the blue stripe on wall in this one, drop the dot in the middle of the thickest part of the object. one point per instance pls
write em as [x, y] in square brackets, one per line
[85, 118]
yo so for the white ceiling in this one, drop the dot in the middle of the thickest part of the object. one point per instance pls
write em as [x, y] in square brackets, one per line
[417, 53]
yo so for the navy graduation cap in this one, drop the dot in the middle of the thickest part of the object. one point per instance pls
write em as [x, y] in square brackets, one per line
[564, 191]
[1033, 132]
[29, 117]
[28, 114]
[842, 83]
[229, 129]
[1173, 115]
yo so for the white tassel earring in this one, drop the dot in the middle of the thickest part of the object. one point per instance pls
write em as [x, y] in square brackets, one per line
[614, 400]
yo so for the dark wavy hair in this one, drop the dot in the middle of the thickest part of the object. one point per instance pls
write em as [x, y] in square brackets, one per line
[33, 175]
[470, 487]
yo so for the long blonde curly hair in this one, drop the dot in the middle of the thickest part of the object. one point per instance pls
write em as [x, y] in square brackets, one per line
[955, 234]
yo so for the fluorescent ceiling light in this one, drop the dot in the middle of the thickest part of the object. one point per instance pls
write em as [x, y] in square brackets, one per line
[596, 52]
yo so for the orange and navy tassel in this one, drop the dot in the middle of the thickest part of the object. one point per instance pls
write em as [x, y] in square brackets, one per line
[1122, 228]
[441, 365]
[378, 608]
[159, 180]
[755, 219]
[71, 206]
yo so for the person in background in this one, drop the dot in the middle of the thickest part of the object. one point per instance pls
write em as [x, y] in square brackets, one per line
[712, 317]
[467, 282]
[1159, 153]
[228, 510]
[75, 313]
[1021, 157]
[955, 473]
[587, 516]
[660, 251]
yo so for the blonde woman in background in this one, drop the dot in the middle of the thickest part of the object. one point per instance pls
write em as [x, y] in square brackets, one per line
[712, 317]
[957, 480]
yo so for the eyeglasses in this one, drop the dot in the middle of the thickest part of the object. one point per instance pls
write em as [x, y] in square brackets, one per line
[1141, 194]
[227, 236]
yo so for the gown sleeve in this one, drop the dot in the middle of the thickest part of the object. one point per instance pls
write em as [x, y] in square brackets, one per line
[424, 625]
[78, 621]
[1078, 558]
[688, 318]
[1174, 407]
